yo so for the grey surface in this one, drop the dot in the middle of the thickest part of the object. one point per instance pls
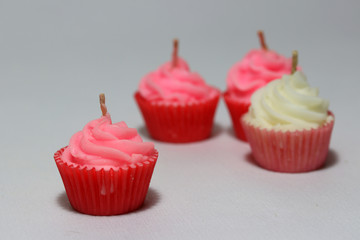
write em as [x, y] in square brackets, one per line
[57, 56]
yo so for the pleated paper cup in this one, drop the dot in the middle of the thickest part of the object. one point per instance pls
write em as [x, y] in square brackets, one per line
[178, 123]
[236, 110]
[106, 192]
[289, 151]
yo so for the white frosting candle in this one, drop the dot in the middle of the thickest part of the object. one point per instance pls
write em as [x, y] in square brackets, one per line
[288, 103]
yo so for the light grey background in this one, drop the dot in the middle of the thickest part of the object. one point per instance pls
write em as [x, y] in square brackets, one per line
[57, 56]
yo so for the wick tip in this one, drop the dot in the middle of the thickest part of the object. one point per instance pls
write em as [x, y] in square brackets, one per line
[262, 39]
[102, 104]
[176, 42]
[294, 61]
[175, 53]
[102, 98]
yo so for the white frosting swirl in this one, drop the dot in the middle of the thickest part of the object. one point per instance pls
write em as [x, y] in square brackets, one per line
[288, 103]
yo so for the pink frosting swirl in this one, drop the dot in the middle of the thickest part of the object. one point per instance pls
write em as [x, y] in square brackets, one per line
[255, 70]
[175, 84]
[102, 144]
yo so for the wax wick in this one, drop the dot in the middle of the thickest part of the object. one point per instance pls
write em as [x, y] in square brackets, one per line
[175, 53]
[294, 61]
[262, 40]
[102, 104]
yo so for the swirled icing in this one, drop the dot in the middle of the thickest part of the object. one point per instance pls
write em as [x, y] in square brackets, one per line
[288, 103]
[175, 84]
[255, 70]
[102, 144]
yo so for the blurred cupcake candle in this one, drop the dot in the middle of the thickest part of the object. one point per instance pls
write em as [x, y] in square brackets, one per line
[288, 125]
[177, 104]
[255, 70]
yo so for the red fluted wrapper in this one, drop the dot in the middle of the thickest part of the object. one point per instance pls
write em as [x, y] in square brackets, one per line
[178, 123]
[106, 192]
[236, 110]
[297, 151]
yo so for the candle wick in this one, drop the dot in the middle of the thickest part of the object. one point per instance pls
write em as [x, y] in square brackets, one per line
[294, 61]
[175, 53]
[102, 104]
[262, 40]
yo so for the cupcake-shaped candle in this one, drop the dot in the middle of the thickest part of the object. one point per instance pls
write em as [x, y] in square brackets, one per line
[255, 70]
[106, 168]
[177, 104]
[288, 125]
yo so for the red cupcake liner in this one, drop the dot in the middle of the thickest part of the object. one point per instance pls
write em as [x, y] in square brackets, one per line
[298, 151]
[106, 192]
[236, 110]
[178, 123]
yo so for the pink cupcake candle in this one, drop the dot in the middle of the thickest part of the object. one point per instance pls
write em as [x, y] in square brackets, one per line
[106, 168]
[177, 105]
[288, 125]
[255, 70]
